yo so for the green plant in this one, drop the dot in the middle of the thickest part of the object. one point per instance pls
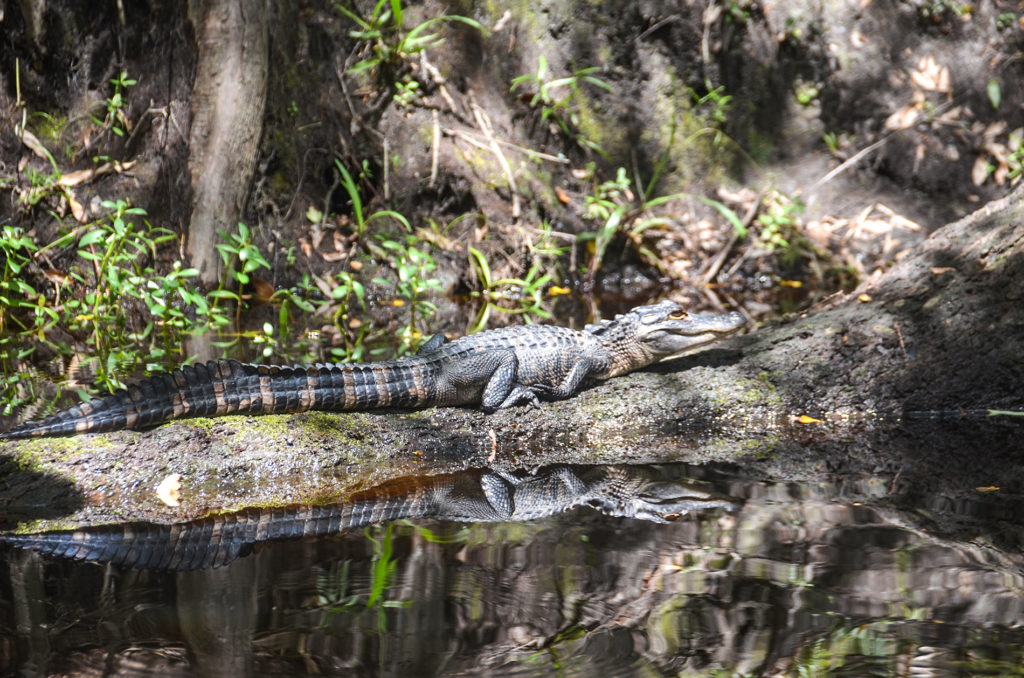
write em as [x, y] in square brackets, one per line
[265, 337]
[412, 267]
[779, 221]
[559, 110]
[116, 247]
[995, 93]
[1015, 159]
[714, 106]
[115, 119]
[175, 308]
[612, 206]
[406, 92]
[608, 204]
[241, 258]
[387, 41]
[361, 221]
[1006, 20]
[24, 315]
[41, 187]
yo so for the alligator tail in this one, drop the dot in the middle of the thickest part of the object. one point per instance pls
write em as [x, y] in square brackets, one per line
[230, 387]
[214, 541]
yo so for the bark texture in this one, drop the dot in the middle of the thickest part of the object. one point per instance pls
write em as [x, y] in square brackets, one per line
[943, 330]
[227, 114]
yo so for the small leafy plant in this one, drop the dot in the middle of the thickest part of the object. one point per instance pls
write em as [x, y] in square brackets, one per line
[241, 259]
[556, 109]
[387, 43]
[361, 221]
[115, 118]
[412, 269]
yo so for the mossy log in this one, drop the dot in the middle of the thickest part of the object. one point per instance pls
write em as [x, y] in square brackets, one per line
[812, 397]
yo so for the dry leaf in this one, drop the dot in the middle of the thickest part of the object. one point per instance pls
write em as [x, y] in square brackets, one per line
[979, 173]
[77, 210]
[169, 490]
[32, 142]
[77, 177]
[995, 129]
[56, 277]
[930, 75]
[262, 289]
[903, 118]
[1014, 140]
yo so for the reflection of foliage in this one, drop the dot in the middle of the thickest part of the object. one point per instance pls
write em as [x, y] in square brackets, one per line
[832, 651]
[334, 588]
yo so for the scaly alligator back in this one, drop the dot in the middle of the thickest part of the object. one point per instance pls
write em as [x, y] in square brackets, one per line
[230, 387]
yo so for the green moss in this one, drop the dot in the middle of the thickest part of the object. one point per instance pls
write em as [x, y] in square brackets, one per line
[58, 449]
[49, 127]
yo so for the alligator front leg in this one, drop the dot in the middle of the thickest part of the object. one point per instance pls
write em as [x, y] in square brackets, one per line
[503, 390]
[582, 369]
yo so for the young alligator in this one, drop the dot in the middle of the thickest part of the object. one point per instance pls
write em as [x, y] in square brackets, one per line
[495, 369]
[642, 492]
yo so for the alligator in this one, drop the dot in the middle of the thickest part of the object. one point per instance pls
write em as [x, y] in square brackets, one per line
[653, 493]
[494, 369]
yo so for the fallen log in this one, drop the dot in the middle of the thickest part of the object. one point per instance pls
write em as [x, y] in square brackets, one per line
[864, 383]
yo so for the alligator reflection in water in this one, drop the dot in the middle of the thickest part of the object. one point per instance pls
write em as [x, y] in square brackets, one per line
[802, 579]
[473, 496]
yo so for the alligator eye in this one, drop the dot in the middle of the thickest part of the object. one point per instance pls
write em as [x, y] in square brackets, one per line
[677, 315]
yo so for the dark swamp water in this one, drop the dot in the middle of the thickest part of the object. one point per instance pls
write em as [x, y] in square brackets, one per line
[798, 580]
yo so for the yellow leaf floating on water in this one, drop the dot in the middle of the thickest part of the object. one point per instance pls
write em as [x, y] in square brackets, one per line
[805, 419]
[169, 490]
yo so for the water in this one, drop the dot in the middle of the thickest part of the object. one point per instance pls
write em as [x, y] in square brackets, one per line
[801, 580]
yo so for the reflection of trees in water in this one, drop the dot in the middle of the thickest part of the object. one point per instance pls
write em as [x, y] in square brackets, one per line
[798, 579]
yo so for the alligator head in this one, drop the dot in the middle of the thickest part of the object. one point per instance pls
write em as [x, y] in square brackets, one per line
[661, 331]
[660, 501]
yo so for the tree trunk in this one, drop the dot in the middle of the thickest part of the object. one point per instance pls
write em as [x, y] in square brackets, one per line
[227, 115]
[942, 330]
